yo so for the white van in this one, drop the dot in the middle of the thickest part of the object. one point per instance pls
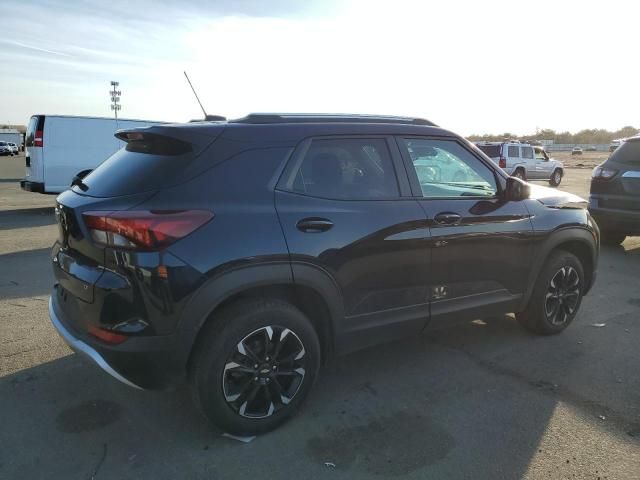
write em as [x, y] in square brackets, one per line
[59, 147]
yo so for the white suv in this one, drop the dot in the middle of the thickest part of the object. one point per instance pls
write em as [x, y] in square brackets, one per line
[524, 161]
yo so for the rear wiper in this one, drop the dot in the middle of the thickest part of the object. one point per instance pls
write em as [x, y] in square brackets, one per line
[77, 182]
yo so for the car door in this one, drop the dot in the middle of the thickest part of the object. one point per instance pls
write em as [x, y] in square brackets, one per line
[543, 165]
[513, 158]
[529, 161]
[348, 214]
[481, 243]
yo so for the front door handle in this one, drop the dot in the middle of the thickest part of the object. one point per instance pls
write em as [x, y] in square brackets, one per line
[447, 218]
[314, 225]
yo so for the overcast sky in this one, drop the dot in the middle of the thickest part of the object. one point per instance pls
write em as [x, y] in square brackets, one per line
[470, 66]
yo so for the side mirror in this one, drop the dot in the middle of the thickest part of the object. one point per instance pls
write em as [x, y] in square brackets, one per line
[517, 189]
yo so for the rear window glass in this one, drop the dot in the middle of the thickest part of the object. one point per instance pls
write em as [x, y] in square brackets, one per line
[126, 173]
[35, 123]
[490, 150]
[628, 153]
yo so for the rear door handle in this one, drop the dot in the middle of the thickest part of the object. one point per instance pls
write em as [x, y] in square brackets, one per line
[314, 225]
[447, 218]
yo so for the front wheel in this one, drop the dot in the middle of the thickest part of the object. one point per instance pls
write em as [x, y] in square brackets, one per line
[556, 296]
[556, 178]
[254, 365]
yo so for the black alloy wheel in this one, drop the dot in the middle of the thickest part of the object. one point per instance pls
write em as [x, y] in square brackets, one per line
[265, 372]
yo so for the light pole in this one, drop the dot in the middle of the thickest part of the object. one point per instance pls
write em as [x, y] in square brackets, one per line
[115, 99]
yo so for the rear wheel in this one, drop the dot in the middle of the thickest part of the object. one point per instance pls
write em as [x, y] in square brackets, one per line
[520, 173]
[254, 365]
[556, 178]
[611, 238]
[556, 296]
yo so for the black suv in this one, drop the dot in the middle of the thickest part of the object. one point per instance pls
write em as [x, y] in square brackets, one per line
[615, 193]
[240, 255]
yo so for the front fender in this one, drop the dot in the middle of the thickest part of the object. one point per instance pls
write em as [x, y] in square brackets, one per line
[565, 237]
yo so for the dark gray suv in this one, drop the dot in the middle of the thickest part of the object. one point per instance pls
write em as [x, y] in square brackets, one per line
[615, 193]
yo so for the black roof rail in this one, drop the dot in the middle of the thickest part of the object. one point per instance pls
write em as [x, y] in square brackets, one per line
[262, 118]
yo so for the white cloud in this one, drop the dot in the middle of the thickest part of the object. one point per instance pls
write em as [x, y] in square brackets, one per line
[469, 66]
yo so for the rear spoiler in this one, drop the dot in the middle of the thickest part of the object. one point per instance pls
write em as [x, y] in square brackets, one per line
[170, 139]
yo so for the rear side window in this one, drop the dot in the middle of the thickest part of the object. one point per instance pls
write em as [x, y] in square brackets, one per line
[514, 151]
[527, 152]
[346, 169]
[627, 153]
[490, 151]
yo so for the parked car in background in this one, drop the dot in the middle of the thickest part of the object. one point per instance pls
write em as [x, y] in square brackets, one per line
[14, 148]
[5, 149]
[524, 161]
[576, 151]
[59, 148]
[239, 256]
[591, 148]
[614, 200]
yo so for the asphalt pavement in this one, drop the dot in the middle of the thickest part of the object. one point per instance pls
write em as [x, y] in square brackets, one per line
[481, 399]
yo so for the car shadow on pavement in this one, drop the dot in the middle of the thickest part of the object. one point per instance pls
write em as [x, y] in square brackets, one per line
[436, 405]
[26, 218]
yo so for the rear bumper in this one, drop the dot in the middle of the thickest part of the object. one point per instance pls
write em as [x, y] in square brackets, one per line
[28, 186]
[143, 362]
[614, 220]
[79, 346]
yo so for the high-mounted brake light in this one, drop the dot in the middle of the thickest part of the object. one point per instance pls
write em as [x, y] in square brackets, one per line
[143, 229]
[38, 139]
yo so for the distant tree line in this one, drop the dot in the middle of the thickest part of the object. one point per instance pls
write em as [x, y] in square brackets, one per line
[594, 135]
[20, 128]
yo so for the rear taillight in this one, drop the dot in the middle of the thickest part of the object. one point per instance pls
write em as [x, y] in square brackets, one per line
[38, 139]
[143, 229]
[106, 336]
[603, 173]
[502, 163]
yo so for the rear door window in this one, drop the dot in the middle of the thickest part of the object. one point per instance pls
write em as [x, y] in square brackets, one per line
[514, 151]
[527, 152]
[345, 169]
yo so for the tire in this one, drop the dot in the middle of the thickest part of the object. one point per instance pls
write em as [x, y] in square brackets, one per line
[554, 304]
[608, 237]
[556, 178]
[223, 378]
[520, 173]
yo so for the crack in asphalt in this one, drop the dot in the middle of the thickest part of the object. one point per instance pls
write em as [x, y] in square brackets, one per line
[591, 407]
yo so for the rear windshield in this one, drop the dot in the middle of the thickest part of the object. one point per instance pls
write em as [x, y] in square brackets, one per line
[126, 173]
[35, 123]
[627, 153]
[490, 150]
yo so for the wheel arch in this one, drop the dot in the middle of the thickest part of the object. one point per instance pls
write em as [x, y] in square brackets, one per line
[313, 292]
[576, 240]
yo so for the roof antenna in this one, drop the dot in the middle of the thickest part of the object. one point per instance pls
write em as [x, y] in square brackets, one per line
[206, 117]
